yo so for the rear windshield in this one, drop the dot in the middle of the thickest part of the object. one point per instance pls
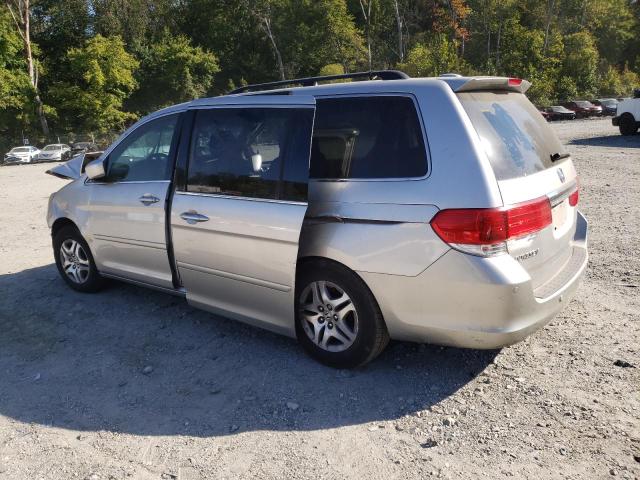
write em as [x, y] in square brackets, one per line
[516, 138]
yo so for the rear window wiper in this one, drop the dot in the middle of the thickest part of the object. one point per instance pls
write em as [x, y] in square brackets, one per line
[558, 156]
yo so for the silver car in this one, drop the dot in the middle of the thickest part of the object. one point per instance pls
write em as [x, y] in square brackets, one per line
[21, 155]
[438, 210]
[54, 152]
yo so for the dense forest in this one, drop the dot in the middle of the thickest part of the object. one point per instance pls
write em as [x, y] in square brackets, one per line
[94, 66]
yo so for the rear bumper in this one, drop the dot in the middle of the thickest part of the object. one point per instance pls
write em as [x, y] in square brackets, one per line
[474, 302]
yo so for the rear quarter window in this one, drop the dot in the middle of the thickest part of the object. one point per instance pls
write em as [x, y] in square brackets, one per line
[367, 137]
[515, 136]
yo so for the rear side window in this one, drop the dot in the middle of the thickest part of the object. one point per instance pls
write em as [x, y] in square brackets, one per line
[251, 152]
[367, 137]
[516, 138]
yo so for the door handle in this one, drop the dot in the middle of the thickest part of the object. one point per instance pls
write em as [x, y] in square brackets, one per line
[192, 217]
[148, 199]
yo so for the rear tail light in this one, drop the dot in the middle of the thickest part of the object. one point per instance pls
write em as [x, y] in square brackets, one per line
[574, 197]
[485, 231]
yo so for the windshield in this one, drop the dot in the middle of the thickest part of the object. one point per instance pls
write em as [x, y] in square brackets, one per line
[609, 103]
[20, 150]
[583, 104]
[517, 140]
[48, 148]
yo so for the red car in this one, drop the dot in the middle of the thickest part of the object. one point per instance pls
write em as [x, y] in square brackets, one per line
[584, 108]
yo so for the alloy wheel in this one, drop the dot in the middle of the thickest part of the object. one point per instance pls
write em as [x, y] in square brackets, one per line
[328, 315]
[75, 261]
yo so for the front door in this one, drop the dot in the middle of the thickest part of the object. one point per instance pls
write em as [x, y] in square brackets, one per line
[127, 220]
[236, 221]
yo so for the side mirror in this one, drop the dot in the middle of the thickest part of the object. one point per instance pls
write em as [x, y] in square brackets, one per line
[256, 162]
[95, 169]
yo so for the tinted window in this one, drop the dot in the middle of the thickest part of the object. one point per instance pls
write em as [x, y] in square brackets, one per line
[367, 137]
[517, 140]
[145, 154]
[247, 151]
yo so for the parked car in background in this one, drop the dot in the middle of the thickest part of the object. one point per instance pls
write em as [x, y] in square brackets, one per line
[54, 152]
[544, 114]
[584, 108]
[255, 207]
[627, 117]
[609, 105]
[26, 154]
[558, 112]
[83, 147]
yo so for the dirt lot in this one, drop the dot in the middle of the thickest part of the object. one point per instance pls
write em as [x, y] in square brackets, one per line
[223, 400]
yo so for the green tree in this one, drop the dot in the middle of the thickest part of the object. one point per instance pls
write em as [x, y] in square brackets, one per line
[137, 22]
[314, 33]
[437, 56]
[105, 78]
[581, 62]
[16, 102]
[566, 89]
[172, 71]
[610, 82]
[230, 29]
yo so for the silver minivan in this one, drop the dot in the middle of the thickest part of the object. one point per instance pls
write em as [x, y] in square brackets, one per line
[438, 210]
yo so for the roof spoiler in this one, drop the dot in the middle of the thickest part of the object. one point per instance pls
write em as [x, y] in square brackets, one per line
[486, 83]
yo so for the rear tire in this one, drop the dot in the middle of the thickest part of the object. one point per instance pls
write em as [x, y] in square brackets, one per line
[75, 262]
[628, 125]
[338, 321]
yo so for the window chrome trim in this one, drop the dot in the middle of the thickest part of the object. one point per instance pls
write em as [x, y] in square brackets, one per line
[238, 197]
[223, 106]
[416, 104]
[88, 180]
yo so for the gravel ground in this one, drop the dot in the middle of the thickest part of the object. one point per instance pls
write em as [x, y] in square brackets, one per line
[131, 383]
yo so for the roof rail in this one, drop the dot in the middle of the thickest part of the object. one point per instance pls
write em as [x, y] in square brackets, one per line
[311, 81]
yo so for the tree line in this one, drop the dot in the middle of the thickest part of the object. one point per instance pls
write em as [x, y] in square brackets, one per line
[96, 65]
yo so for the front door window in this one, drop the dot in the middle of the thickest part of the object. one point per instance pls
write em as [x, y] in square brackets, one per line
[144, 155]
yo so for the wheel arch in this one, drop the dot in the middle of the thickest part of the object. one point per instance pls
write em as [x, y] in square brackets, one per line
[628, 115]
[60, 223]
[317, 258]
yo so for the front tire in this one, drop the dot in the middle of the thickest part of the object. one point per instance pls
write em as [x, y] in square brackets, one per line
[628, 125]
[338, 321]
[75, 262]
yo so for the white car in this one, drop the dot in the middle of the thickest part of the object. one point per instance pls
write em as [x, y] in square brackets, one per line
[628, 115]
[25, 154]
[54, 152]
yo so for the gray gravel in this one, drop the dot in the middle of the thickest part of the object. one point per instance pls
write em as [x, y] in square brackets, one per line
[131, 383]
